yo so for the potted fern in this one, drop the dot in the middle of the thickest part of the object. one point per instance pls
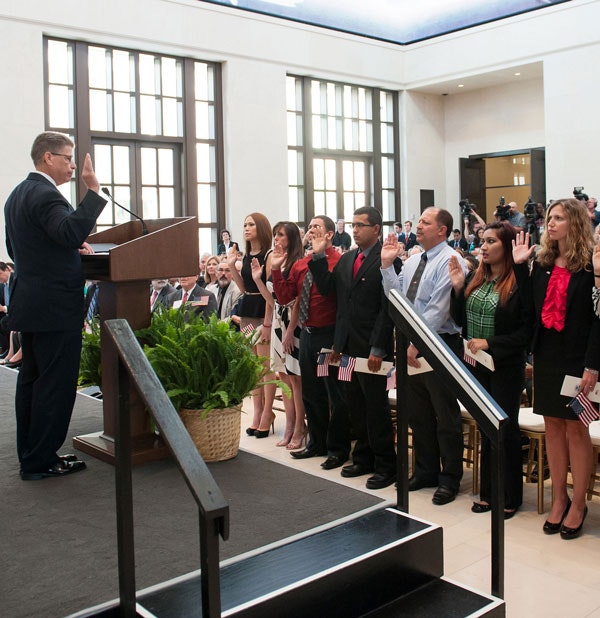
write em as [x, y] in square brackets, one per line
[207, 369]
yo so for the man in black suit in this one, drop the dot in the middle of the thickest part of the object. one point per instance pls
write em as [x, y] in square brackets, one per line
[408, 237]
[5, 273]
[195, 296]
[458, 242]
[45, 237]
[363, 329]
[160, 289]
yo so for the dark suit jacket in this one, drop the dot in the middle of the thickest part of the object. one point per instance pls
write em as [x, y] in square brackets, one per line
[221, 247]
[582, 325]
[163, 295]
[196, 293]
[43, 234]
[409, 242]
[362, 315]
[462, 244]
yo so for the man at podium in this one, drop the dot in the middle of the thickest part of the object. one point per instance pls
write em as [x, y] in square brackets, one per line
[45, 237]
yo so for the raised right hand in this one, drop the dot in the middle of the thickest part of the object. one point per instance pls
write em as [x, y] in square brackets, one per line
[389, 250]
[88, 175]
[521, 250]
[457, 276]
[278, 256]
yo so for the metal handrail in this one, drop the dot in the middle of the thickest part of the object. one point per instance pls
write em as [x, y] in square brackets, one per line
[411, 326]
[134, 368]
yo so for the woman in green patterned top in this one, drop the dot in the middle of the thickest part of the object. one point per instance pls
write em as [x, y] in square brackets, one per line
[494, 316]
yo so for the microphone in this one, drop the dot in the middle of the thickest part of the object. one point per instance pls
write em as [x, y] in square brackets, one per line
[112, 199]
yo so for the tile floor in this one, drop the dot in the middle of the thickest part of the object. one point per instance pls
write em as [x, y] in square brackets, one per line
[544, 576]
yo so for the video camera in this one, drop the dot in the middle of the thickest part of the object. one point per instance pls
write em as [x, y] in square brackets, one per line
[466, 208]
[529, 209]
[502, 210]
[578, 194]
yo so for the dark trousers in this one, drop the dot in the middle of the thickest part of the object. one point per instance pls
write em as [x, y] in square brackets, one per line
[45, 395]
[369, 409]
[324, 398]
[434, 417]
[505, 385]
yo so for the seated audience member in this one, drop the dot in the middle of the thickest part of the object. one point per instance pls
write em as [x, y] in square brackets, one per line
[408, 237]
[226, 244]
[210, 274]
[203, 259]
[5, 273]
[341, 238]
[160, 289]
[228, 292]
[593, 214]
[457, 241]
[91, 307]
[198, 299]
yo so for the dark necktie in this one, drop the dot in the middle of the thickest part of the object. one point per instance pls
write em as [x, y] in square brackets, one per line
[221, 298]
[305, 297]
[358, 263]
[411, 293]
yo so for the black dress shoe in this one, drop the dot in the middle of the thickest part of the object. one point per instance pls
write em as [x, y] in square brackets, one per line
[573, 533]
[62, 468]
[379, 481]
[443, 495]
[354, 470]
[415, 483]
[551, 528]
[69, 457]
[333, 461]
[305, 453]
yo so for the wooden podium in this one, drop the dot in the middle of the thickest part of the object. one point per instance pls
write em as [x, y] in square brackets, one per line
[124, 270]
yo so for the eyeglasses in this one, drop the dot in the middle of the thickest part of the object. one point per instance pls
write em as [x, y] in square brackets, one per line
[69, 158]
[360, 225]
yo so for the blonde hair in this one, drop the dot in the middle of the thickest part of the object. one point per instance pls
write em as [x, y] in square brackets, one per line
[579, 242]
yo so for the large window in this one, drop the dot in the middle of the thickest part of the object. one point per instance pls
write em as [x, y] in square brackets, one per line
[342, 150]
[152, 123]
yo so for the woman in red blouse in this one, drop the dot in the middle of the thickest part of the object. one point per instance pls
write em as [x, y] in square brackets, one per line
[566, 341]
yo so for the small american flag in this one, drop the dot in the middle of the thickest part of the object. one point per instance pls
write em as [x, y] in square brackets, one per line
[248, 329]
[323, 364]
[346, 368]
[391, 379]
[469, 359]
[584, 408]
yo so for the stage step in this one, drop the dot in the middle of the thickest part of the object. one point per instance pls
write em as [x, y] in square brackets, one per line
[384, 563]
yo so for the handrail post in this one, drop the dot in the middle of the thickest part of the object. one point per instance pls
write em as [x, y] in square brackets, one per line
[402, 403]
[209, 568]
[124, 497]
[497, 488]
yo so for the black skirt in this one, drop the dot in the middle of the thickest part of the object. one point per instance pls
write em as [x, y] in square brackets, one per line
[550, 365]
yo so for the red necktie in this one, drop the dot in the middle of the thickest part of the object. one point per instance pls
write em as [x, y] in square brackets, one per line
[185, 296]
[358, 263]
[153, 298]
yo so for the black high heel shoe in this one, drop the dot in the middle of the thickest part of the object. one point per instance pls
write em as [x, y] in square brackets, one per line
[250, 431]
[258, 433]
[550, 528]
[573, 533]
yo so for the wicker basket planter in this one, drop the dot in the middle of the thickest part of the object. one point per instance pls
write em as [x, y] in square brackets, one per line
[217, 435]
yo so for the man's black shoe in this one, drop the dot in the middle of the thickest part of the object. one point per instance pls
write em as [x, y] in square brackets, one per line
[69, 457]
[62, 468]
[354, 470]
[444, 495]
[333, 461]
[415, 483]
[379, 481]
[305, 453]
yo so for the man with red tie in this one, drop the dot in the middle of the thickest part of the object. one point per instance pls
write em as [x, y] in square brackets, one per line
[363, 329]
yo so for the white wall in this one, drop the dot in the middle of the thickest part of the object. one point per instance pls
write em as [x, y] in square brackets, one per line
[558, 112]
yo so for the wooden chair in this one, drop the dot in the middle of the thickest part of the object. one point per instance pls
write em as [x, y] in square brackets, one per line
[532, 427]
[595, 475]
[472, 450]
